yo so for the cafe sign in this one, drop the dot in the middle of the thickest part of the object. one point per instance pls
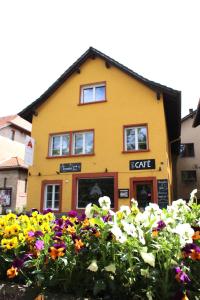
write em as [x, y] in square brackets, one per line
[71, 167]
[142, 164]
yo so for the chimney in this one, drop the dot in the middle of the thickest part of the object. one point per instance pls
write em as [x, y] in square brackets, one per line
[190, 110]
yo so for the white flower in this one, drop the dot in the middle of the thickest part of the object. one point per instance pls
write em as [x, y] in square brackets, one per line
[93, 266]
[185, 233]
[105, 202]
[89, 211]
[118, 234]
[111, 268]
[125, 209]
[179, 203]
[192, 194]
[134, 202]
[141, 236]
[148, 258]
[129, 228]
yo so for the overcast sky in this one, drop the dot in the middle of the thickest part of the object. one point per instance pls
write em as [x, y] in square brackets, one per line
[40, 39]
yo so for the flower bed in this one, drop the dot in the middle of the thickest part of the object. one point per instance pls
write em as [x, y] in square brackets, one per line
[103, 254]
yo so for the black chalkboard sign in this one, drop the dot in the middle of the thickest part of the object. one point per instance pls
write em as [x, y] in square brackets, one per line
[72, 167]
[163, 199]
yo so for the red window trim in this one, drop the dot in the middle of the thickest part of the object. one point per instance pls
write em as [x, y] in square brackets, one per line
[75, 178]
[152, 179]
[140, 150]
[92, 84]
[44, 183]
[70, 144]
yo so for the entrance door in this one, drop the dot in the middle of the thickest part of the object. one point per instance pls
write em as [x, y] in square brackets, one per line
[143, 193]
[143, 189]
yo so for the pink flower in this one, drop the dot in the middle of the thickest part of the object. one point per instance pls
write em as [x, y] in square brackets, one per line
[39, 245]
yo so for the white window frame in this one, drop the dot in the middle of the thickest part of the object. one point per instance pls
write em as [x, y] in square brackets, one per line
[84, 142]
[93, 86]
[53, 196]
[136, 138]
[61, 141]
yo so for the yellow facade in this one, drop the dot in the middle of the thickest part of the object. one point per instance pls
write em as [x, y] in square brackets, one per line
[128, 102]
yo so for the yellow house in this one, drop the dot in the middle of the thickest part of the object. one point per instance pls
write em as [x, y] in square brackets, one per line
[102, 129]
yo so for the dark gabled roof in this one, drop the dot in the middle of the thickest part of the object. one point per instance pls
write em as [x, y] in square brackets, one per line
[197, 116]
[189, 116]
[172, 98]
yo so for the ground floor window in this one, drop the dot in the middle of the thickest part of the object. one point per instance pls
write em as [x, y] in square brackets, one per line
[90, 189]
[52, 195]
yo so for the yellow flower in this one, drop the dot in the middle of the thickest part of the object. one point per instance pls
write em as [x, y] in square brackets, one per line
[21, 237]
[15, 228]
[8, 231]
[4, 242]
[120, 215]
[34, 214]
[11, 217]
[12, 272]
[12, 243]
[71, 229]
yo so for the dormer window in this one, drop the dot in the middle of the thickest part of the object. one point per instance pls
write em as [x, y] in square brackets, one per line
[93, 93]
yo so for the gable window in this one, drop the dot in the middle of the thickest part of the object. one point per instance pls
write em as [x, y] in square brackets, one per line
[72, 143]
[83, 142]
[187, 150]
[59, 145]
[52, 195]
[135, 138]
[93, 93]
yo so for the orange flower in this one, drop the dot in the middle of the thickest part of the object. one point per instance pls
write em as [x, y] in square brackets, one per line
[86, 223]
[97, 234]
[71, 229]
[55, 253]
[12, 272]
[154, 233]
[78, 245]
[196, 235]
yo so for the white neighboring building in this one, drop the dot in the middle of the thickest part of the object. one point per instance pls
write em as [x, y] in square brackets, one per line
[13, 171]
[188, 163]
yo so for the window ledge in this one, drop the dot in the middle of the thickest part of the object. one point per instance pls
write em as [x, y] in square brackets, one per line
[70, 156]
[95, 102]
[135, 151]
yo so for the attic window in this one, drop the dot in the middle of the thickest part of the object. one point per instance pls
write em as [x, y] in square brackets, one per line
[93, 93]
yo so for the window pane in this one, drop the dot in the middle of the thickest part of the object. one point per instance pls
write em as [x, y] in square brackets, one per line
[130, 139]
[187, 150]
[89, 142]
[56, 145]
[49, 188]
[78, 143]
[142, 138]
[49, 204]
[65, 144]
[56, 204]
[89, 190]
[189, 176]
[87, 95]
[100, 93]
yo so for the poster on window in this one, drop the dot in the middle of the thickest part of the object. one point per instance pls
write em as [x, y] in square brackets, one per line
[29, 150]
[5, 196]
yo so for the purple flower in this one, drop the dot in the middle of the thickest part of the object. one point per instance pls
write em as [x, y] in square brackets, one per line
[31, 233]
[59, 245]
[161, 225]
[18, 263]
[181, 276]
[38, 233]
[39, 245]
[72, 214]
[46, 211]
[82, 217]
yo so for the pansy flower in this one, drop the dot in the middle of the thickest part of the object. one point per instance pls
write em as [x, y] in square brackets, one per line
[12, 272]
